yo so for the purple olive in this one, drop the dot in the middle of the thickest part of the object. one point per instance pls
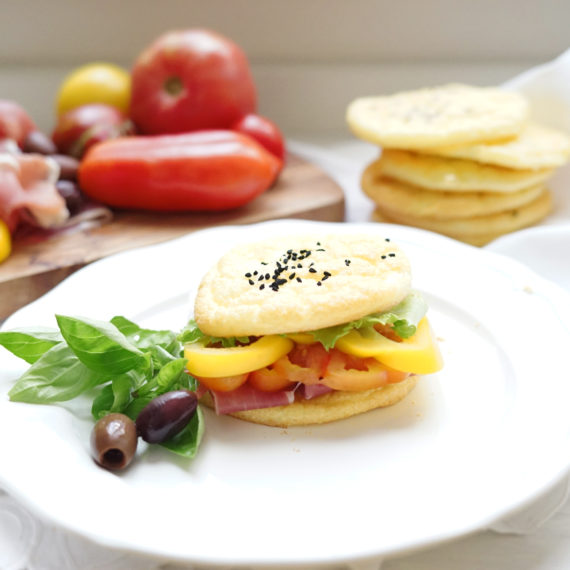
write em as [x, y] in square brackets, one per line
[166, 415]
[70, 192]
[114, 441]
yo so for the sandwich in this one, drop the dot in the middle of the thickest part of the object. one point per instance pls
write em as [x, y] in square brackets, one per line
[308, 329]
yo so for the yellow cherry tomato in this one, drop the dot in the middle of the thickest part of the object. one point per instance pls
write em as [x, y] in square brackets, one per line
[95, 83]
[217, 362]
[418, 354]
[5, 241]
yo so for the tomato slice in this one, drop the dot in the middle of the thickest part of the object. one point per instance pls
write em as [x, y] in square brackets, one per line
[223, 383]
[418, 354]
[305, 363]
[353, 374]
[269, 379]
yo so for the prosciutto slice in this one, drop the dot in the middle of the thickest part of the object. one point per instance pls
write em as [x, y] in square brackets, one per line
[28, 191]
[248, 398]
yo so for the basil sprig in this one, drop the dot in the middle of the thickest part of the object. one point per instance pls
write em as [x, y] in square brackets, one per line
[120, 364]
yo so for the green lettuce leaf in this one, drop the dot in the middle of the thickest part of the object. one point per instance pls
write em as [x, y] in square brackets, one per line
[191, 333]
[404, 319]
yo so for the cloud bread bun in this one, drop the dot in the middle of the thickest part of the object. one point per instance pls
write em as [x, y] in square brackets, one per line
[300, 283]
[327, 408]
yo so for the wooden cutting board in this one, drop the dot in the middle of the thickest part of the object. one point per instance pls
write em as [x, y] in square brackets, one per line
[302, 191]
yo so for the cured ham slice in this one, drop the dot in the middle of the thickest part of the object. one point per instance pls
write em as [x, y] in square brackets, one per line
[248, 398]
[28, 191]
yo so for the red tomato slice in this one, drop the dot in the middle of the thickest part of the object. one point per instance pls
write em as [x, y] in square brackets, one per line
[353, 374]
[223, 383]
[304, 363]
[269, 380]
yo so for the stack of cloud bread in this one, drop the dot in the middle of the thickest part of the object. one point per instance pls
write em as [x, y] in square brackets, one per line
[463, 161]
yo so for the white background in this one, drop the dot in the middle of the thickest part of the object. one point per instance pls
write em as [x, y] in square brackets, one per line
[310, 57]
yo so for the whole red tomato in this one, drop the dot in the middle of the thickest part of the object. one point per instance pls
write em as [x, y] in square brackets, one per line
[191, 80]
[264, 131]
[15, 123]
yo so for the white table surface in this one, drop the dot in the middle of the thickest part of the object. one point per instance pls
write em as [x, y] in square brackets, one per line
[536, 539]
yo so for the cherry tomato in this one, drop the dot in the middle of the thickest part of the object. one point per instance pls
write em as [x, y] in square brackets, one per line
[95, 83]
[264, 131]
[191, 80]
[5, 241]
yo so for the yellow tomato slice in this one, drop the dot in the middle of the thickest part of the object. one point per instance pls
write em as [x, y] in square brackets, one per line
[302, 338]
[418, 354]
[216, 362]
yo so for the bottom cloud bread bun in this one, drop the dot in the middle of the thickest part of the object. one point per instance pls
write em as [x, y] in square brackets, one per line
[309, 329]
[327, 408]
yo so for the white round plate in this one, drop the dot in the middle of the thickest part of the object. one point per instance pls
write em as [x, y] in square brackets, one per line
[471, 444]
[545, 250]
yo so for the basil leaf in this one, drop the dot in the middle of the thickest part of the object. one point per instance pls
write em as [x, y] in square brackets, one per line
[147, 338]
[100, 345]
[58, 375]
[136, 406]
[102, 403]
[121, 387]
[187, 441]
[29, 344]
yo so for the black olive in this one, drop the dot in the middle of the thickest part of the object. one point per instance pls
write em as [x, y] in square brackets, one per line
[114, 441]
[166, 415]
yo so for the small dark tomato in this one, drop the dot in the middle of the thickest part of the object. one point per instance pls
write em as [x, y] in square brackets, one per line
[114, 441]
[166, 415]
[68, 166]
[38, 142]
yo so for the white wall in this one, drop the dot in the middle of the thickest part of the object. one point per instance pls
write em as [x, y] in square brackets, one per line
[310, 57]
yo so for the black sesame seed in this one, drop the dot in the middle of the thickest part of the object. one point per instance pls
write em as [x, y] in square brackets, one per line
[250, 281]
[392, 254]
[319, 283]
[386, 239]
[383, 257]
[267, 276]
[262, 286]
[312, 270]
[299, 279]
[248, 274]
[292, 276]
[347, 262]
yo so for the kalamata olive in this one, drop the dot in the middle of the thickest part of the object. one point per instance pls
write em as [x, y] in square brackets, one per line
[68, 166]
[114, 441]
[166, 415]
[69, 191]
[38, 142]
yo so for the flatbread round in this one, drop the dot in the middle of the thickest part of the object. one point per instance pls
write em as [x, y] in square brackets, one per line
[441, 116]
[409, 200]
[300, 283]
[457, 175]
[478, 230]
[536, 147]
[329, 407]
